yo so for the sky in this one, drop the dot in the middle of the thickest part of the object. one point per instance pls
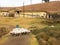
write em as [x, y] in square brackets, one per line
[17, 3]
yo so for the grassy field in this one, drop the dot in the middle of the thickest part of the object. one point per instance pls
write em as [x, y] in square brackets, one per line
[33, 40]
[22, 22]
[29, 23]
[39, 27]
[48, 35]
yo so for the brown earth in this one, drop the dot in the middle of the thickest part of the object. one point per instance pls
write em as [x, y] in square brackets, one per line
[49, 6]
[17, 40]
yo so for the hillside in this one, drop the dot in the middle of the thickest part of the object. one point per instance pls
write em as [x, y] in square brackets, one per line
[50, 7]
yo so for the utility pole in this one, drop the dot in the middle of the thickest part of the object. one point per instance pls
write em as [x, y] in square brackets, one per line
[31, 8]
[23, 10]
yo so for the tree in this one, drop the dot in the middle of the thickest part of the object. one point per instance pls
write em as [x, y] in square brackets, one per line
[45, 0]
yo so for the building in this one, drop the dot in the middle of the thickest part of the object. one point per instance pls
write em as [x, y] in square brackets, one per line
[10, 13]
[4, 13]
[41, 14]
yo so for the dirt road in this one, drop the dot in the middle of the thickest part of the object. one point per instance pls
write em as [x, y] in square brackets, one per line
[18, 40]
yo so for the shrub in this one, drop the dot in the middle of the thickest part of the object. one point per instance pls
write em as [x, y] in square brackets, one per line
[3, 31]
[11, 15]
[46, 33]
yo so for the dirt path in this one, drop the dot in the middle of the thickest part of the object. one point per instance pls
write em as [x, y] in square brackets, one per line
[17, 40]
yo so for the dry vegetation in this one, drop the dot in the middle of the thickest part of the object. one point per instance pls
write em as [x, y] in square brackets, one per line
[8, 23]
[48, 35]
[42, 32]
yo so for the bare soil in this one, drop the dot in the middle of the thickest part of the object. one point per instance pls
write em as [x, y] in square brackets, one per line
[18, 40]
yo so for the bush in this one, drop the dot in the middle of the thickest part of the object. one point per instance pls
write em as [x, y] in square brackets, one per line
[46, 33]
[3, 31]
[11, 15]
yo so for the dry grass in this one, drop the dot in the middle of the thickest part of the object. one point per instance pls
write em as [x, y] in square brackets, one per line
[33, 40]
[22, 22]
[3, 39]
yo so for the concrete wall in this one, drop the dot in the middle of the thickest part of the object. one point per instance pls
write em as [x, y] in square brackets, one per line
[35, 14]
[27, 14]
[4, 13]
